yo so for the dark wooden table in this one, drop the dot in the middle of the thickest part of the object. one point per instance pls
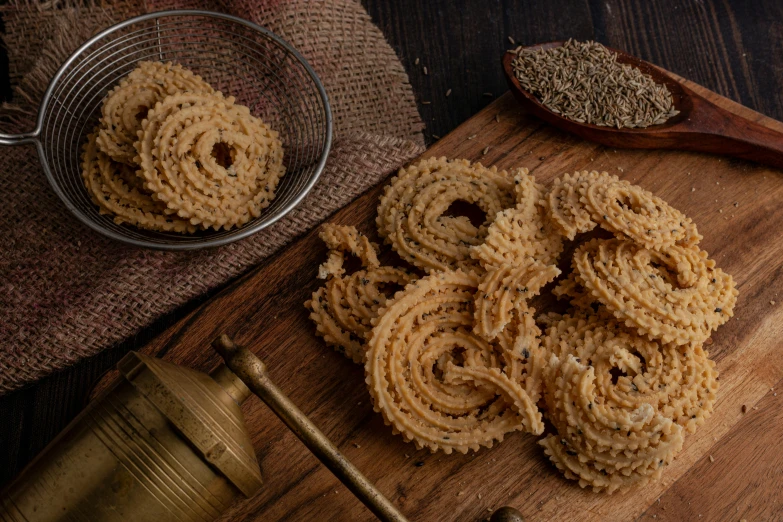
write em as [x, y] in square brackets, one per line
[731, 47]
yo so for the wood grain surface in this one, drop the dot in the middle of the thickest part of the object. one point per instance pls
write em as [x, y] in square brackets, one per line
[735, 204]
[733, 48]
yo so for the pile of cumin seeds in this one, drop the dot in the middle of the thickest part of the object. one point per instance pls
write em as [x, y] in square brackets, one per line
[582, 81]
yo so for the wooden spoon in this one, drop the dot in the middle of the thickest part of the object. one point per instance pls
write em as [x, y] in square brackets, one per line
[701, 125]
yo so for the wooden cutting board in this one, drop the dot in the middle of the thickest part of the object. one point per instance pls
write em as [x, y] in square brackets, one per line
[738, 207]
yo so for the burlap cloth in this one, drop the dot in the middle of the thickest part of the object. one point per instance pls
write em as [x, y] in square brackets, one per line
[66, 292]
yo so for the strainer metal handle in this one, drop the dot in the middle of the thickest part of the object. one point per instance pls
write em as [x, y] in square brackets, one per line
[20, 139]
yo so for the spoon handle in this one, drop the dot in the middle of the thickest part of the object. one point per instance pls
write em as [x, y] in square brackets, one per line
[716, 130]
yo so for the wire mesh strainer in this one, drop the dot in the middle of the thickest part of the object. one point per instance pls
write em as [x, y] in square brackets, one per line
[235, 56]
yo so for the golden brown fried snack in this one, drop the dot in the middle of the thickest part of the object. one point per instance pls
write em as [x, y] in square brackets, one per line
[344, 308]
[117, 191]
[412, 211]
[563, 202]
[630, 211]
[523, 234]
[341, 239]
[679, 381]
[127, 105]
[675, 295]
[504, 290]
[440, 385]
[176, 157]
[598, 442]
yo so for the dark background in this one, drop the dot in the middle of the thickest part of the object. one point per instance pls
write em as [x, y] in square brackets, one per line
[732, 47]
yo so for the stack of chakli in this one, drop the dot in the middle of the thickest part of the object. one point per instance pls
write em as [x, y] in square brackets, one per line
[67, 293]
[170, 153]
[455, 354]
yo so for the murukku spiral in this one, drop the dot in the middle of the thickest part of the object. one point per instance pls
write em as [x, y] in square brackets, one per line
[599, 443]
[176, 157]
[571, 289]
[504, 290]
[341, 239]
[127, 105]
[675, 295]
[116, 189]
[631, 211]
[522, 234]
[630, 370]
[412, 213]
[343, 309]
[440, 385]
[564, 205]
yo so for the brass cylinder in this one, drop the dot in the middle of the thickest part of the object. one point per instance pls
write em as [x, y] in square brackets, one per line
[140, 453]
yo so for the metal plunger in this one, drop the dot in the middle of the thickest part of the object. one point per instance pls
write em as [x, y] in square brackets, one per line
[253, 373]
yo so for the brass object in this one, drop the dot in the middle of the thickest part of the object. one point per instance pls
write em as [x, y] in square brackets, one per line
[506, 514]
[252, 371]
[166, 444]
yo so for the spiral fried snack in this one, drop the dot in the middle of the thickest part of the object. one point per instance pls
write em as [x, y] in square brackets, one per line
[504, 290]
[631, 211]
[523, 234]
[116, 190]
[176, 155]
[343, 309]
[675, 295]
[412, 211]
[679, 381]
[599, 442]
[440, 385]
[340, 239]
[572, 290]
[563, 202]
[128, 104]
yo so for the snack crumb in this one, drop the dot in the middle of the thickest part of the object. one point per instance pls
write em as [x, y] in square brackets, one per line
[744, 408]
[448, 93]
[484, 152]
[712, 459]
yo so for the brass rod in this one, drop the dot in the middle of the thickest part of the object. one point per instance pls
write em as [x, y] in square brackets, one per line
[253, 373]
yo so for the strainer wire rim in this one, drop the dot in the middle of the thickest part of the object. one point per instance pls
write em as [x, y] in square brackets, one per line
[240, 233]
